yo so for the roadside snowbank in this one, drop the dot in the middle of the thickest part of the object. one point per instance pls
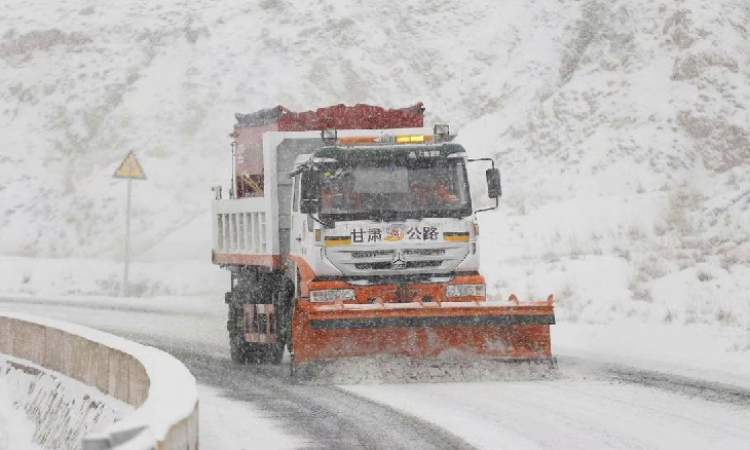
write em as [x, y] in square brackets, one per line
[51, 409]
[16, 430]
[75, 277]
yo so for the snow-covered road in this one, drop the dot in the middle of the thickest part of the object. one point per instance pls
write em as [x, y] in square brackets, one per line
[591, 403]
[573, 412]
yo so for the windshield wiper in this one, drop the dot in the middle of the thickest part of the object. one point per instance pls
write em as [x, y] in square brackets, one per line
[325, 225]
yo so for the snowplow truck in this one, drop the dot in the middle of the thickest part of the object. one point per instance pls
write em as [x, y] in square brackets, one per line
[349, 231]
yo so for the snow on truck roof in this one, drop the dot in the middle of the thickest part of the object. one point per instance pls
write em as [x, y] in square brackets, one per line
[342, 117]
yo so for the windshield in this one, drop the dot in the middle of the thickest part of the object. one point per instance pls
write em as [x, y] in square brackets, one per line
[410, 188]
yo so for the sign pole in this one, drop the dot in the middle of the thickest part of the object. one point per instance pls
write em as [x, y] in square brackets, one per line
[129, 169]
[127, 240]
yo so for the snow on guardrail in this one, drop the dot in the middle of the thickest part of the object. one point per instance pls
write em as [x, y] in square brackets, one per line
[163, 391]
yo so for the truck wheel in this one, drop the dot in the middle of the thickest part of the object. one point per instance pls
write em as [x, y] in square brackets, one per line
[244, 352]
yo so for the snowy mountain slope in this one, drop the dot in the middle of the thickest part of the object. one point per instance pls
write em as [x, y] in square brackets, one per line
[88, 82]
[621, 128]
[629, 175]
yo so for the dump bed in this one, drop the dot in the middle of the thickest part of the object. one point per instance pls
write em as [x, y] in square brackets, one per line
[251, 227]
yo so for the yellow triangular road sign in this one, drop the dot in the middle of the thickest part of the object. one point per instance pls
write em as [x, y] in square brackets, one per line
[130, 168]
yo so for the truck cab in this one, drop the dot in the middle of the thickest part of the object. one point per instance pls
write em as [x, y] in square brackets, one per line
[383, 215]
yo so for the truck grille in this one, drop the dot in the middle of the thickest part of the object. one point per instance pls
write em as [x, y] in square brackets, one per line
[387, 265]
[372, 253]
[424, 251]
[409, 251]
[433, 259]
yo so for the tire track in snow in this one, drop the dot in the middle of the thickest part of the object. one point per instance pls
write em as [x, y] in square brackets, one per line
[679, 384]
[692, 387]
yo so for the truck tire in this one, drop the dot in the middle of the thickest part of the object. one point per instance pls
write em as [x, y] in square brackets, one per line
[241, 351]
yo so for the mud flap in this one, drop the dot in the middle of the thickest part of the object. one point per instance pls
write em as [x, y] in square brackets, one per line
[260, 323]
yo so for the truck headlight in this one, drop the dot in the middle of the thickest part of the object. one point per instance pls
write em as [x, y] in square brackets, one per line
[331, 295]
[465, 290]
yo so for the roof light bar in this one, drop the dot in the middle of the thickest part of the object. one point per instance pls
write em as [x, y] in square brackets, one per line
[441, 129]
[442, 132]
[328, 135]
[385, 139]
[413, 139]
[358, 140]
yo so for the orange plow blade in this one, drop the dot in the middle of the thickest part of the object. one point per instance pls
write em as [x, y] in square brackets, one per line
[434, 330]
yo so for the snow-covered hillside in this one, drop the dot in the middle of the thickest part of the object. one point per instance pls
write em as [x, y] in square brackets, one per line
[628, 173]
[621, 128]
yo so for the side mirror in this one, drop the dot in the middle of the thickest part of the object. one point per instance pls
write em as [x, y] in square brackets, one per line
[309, 205]
[494, 189]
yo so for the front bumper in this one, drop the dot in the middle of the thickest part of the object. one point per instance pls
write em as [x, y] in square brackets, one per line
[401, 291]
